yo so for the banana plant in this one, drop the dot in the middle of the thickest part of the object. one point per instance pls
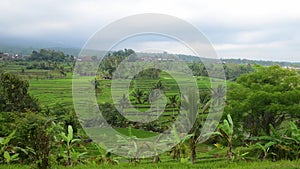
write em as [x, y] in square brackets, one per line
[225, 130]
[265, 148]
[294, 133]
[129, 145]
[179, 148]
[282, 146]
[70, 154]
[103, 156]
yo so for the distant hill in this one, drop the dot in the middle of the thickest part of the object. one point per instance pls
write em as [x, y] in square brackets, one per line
[188, 58]
[28, 50]
[260, 62]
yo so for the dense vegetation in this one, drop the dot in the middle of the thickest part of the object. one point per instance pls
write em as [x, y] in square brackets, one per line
[39, 127]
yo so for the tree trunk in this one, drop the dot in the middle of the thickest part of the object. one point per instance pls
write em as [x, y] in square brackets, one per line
[193, 150]
[156, 158]
[69, 160]
[230, 152]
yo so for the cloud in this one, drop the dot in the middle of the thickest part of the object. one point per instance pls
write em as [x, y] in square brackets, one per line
[235, 28]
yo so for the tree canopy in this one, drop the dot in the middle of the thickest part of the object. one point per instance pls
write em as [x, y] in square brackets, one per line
[263, 98]
[49, 55]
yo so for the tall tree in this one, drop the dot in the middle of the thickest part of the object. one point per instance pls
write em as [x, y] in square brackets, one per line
[267, 96]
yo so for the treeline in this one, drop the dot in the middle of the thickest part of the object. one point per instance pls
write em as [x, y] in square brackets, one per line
[110, 63]
[50, 55]
[232, 71]
[112, 60]
[260, 62]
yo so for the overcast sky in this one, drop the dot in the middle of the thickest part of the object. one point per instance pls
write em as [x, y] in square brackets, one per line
[256, 29]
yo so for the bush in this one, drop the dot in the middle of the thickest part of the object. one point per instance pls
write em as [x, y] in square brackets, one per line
[36, 134]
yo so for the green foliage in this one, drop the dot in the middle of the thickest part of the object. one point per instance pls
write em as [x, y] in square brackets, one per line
[151, 73]
[112, 60]
[265, 148]
[280, 146]
[8, 152]
[225, 130]
[112, 116]
[14, 94]
[158, 85]
[62, 116]
[36, 134]
[232, 70]
[174, 103]
[267, 96]
[50, 55]
[216, 164]
[180, 149]
[70, 155]
[104, 157]
[138, 95]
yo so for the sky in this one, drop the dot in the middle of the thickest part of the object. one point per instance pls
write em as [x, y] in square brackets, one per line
[256, 29]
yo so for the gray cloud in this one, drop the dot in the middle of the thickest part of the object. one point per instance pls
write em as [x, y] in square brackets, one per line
[246, 29]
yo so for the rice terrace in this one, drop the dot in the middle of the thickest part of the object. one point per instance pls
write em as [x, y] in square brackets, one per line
[41, 125]
[149, 84]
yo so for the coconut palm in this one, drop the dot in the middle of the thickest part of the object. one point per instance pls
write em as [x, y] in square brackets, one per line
[174, 102]
[158, 85]
[138, 95]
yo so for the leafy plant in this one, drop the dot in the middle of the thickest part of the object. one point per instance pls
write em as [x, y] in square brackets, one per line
[70, 154]
[138, 95]
[280, 146]
[225, 130]
[265, 148]
[35, 132]
[179, 149]
[239, 156]
[104, 157]
[8, 152]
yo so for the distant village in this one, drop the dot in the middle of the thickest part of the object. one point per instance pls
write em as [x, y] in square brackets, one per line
[8, 56]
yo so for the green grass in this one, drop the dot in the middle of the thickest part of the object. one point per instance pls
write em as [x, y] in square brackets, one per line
[136, 132]
[51, 92]
[176, 165]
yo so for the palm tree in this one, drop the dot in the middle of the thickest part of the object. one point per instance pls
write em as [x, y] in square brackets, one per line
[158, 85]
[138, 95]
[173, 102]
